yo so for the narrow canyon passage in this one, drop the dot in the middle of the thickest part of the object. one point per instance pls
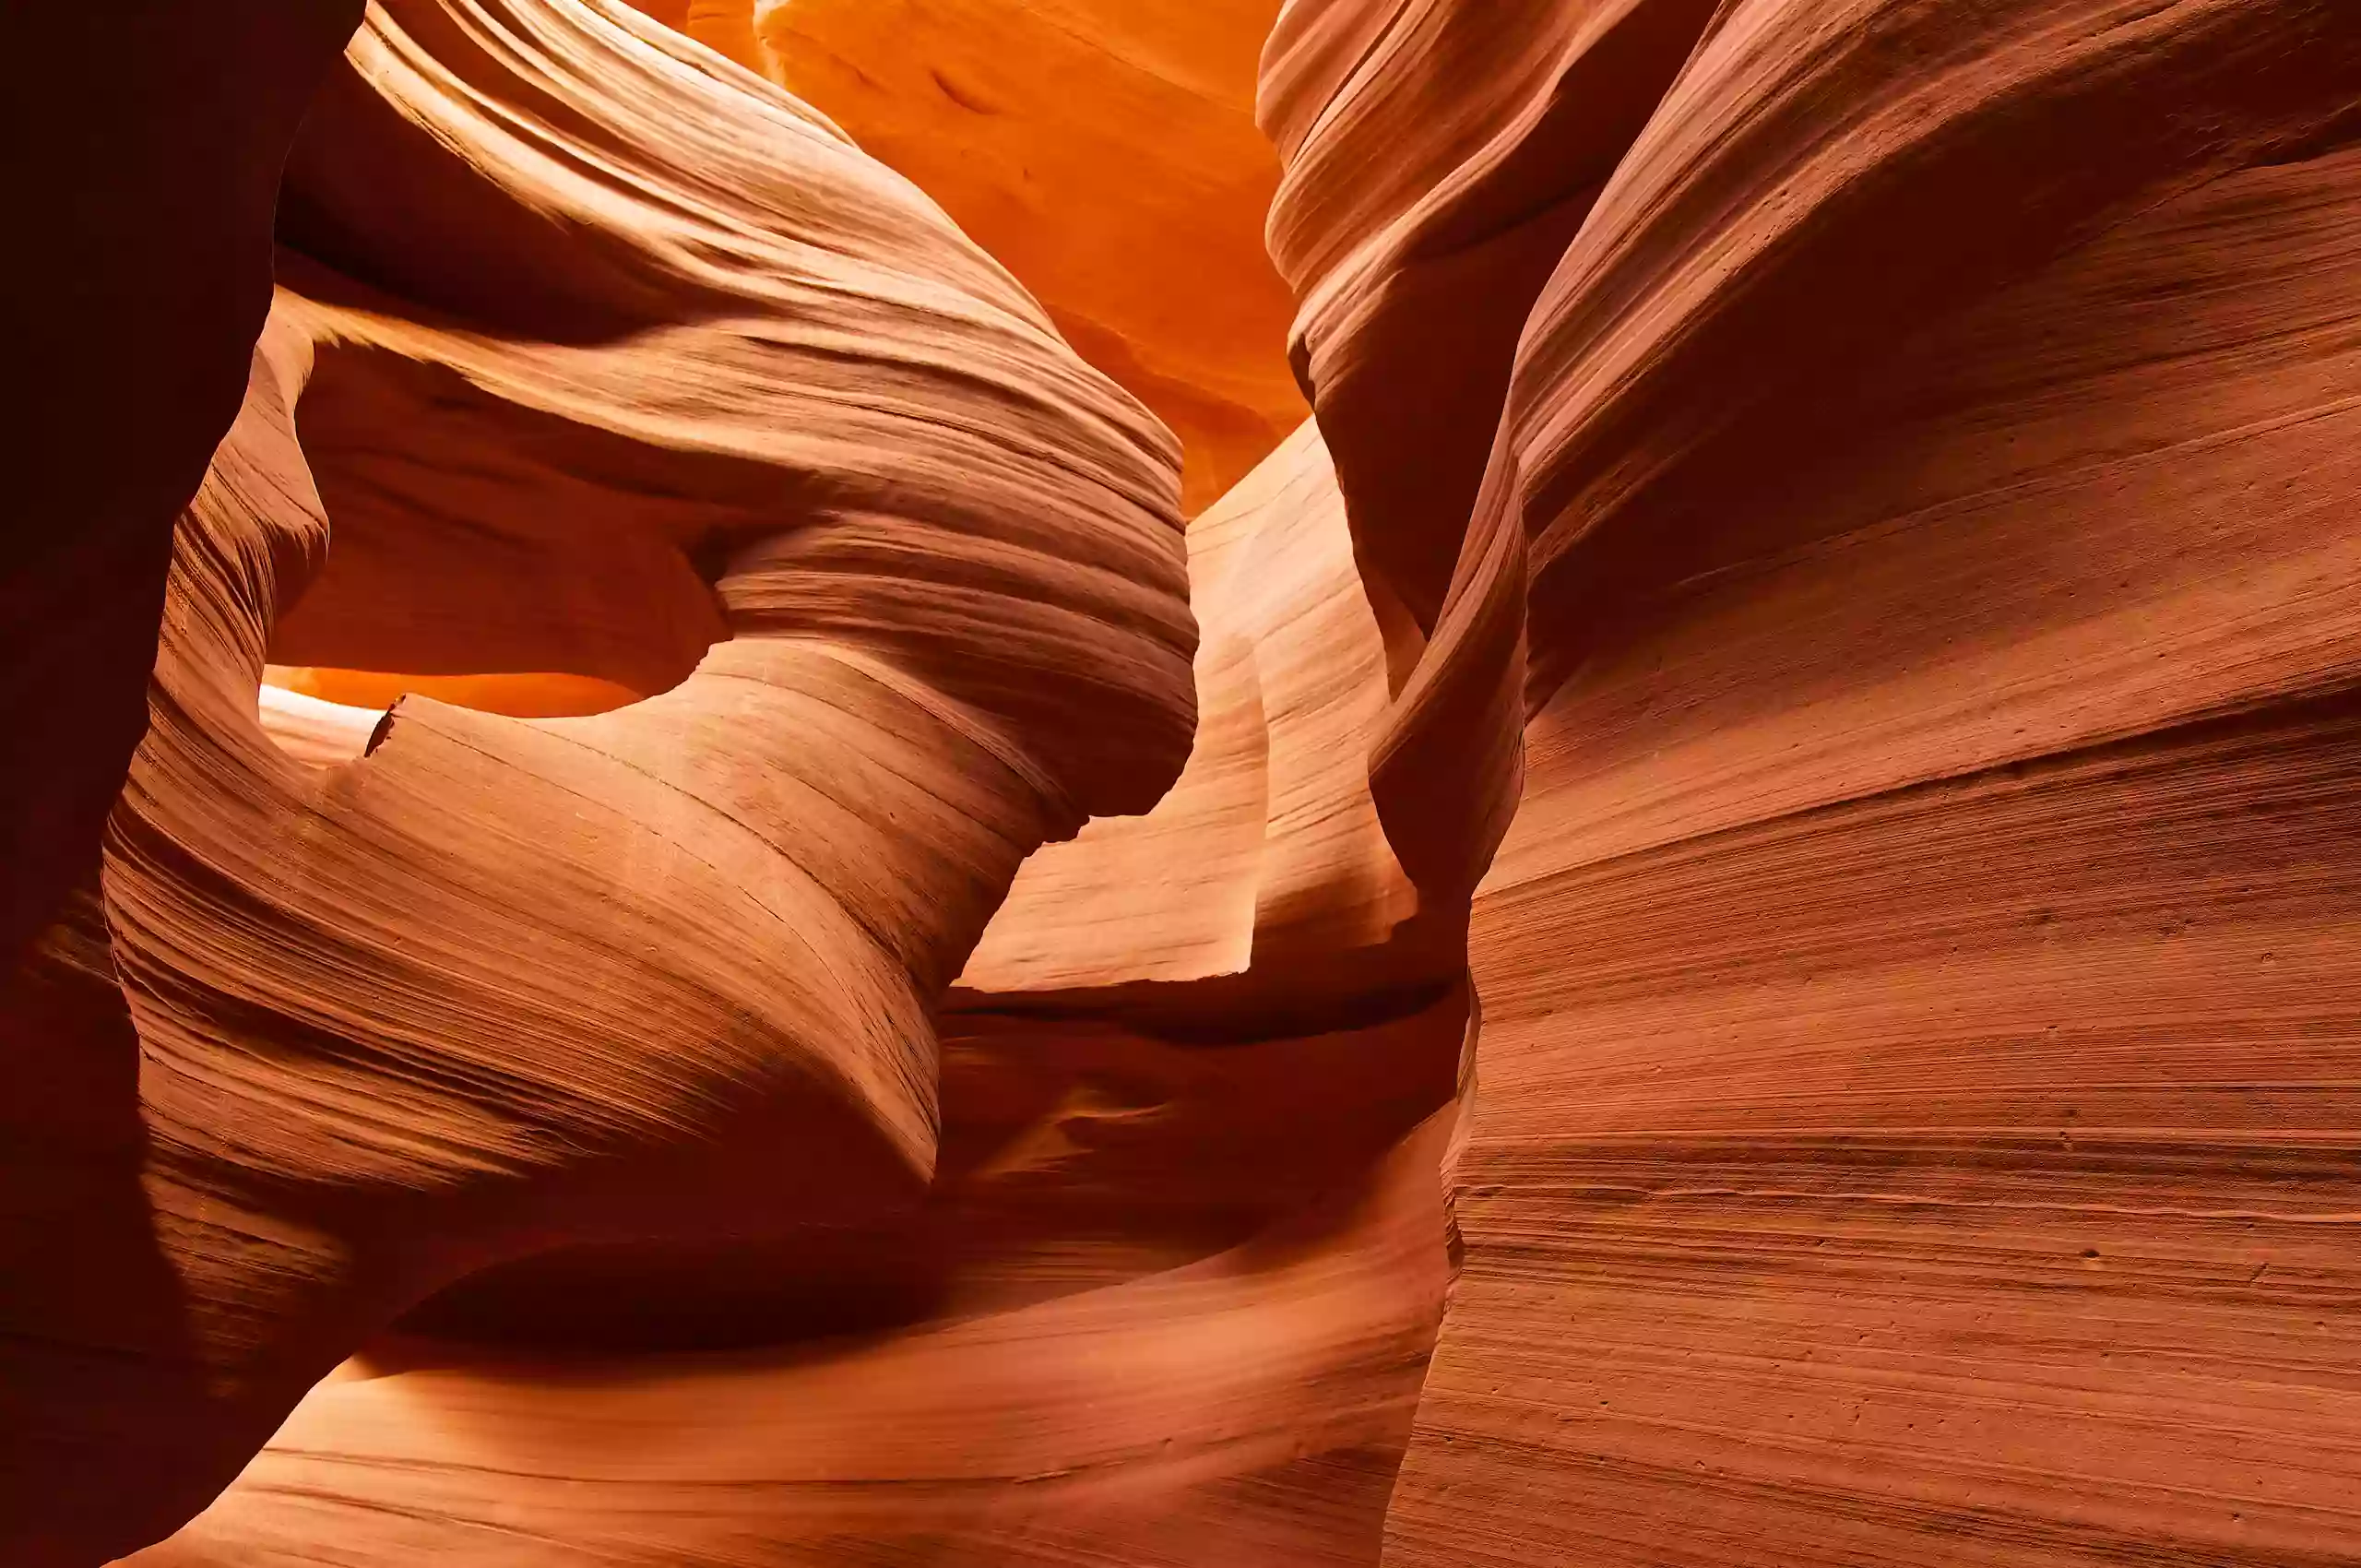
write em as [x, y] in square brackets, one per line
[1189, 783]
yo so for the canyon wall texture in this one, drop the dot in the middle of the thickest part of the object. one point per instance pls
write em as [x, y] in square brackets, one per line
[1706, 925]
[1104, 151]
[1915, 1118]
[566, 303]
[1169, 1294]
[594, 1089]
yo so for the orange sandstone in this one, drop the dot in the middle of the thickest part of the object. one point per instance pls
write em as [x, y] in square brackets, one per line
[500, 985]
[1906, 595]
[1104, 151]
[1719, 938]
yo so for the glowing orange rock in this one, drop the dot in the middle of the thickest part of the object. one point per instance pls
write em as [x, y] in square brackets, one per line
[1908, 596]
[1104, 151]
[1838, 619]
[500, 985]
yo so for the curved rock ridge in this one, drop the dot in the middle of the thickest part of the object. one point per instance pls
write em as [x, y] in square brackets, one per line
[1911, 587]
[1267, 850]
[1170, 1292]
[812, 311]
[128, 144]
[1105, 150]
[1749, 964]
[577, 317]
[1440, 158]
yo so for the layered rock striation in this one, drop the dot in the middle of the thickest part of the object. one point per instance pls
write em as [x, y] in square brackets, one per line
[1909, 574]
[1169, 1293]
[576, 321]
[1706, 925]
[1105, 150]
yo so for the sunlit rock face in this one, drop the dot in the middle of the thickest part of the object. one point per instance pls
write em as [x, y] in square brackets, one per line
[662, 583]
[1169, 1295]
[1104, 151]
[593, 356]
[1913, 574]
[810, 883]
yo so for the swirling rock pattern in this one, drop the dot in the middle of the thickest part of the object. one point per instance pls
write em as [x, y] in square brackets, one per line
[1912, 1121]
[1170, 1292]
[1105, 150]
[1247, 1406]
[1265, 862]
[1440, 156]
[503, 985]
[1788, 733]
[643, 1122]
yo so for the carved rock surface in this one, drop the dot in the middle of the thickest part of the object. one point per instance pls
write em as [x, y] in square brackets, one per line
[1169, 1294]
[1104, 151]
[576, 317]
[1248, 1405]
[1912, 1121]
[1718, 938]
[1440, 157]
[582, 1073]
[1266, 855]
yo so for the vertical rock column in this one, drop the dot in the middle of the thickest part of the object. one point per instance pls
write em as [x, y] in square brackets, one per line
[1912, 1121]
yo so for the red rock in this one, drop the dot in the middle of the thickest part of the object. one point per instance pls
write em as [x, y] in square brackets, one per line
[1440, 156]
[1083, 1402]
[1747, 965]
[1907, 1103]
[1170, 1292]
[1266, 855]
[503, 985]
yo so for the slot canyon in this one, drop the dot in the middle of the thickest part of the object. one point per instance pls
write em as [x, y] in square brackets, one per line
[1181, 784]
